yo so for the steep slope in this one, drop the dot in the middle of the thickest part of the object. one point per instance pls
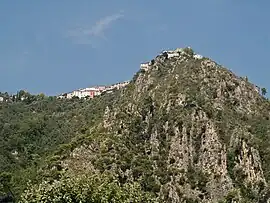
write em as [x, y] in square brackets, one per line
[185, 129]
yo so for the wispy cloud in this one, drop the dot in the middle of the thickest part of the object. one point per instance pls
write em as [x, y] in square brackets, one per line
[86, 35]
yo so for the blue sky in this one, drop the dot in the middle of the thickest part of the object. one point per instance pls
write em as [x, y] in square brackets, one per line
[57, 46]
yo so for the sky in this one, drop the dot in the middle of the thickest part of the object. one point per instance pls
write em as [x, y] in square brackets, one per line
[53, 46]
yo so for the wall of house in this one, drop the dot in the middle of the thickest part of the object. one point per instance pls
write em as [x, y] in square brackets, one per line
[174, 54]
[197, 56]
[92, 91]
[144, 66]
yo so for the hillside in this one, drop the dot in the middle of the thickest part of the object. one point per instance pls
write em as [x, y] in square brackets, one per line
[185, 129]
[33, 128]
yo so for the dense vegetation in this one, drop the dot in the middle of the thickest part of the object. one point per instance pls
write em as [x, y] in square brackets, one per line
[33, 128]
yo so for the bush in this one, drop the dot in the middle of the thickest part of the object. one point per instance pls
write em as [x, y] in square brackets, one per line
[189, 51]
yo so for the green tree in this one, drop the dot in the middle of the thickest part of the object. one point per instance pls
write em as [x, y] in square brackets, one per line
[41, 96]
[189, 51]
[264, 91]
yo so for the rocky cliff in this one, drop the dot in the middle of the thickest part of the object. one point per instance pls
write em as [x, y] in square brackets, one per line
[186, 129]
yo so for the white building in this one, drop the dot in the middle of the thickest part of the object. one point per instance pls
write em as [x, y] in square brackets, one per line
[101, 88]
[144, 66]
[1, 99]
[79, 93]
[117, 86]
[86, 92]
[197, 56]
[173, 54]
[170, 54]
[62, 96]
[92, 91]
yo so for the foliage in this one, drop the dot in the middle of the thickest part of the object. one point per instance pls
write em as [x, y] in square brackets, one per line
[33, 128]
[264, 91]
[85, 188]
[189, 51]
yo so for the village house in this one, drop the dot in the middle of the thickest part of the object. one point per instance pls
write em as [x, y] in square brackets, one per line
[62, 96]
[171, 54]
[144, 66]
[197, 56]
[177, 52]
[82, 93]
[117, 86]
[1, 99]
[101, 88]
[92, 91]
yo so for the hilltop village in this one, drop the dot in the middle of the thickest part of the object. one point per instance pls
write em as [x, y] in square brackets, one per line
[85, 93]
[91, 92]
[179, 52]
[184, 53]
